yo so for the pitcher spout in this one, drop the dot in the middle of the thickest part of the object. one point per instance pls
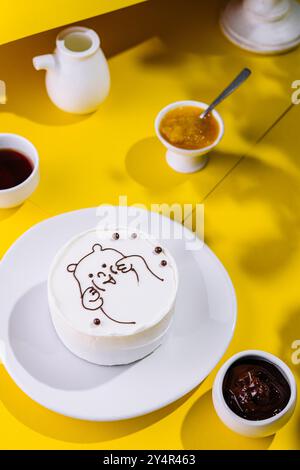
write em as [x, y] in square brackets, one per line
[44, 62]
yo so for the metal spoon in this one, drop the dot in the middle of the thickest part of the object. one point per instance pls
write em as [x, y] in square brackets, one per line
[245, 73]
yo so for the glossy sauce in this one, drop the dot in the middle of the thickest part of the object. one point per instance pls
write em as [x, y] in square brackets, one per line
[183, 128]
[14, 168]
[255, 389]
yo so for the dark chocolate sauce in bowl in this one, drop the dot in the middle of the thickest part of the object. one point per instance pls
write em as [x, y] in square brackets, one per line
[255, 389]
[15, 168]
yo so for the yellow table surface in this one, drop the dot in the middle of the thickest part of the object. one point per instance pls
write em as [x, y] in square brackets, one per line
[251, 203]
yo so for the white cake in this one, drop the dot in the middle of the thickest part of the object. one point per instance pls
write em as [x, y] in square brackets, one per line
[112, 295]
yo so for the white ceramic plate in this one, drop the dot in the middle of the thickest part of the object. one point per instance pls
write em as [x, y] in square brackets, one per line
[52, 376]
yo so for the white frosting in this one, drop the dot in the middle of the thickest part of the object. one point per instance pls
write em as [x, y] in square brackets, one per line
[120, 281]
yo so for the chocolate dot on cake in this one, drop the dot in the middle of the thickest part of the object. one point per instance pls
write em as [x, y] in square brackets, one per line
[134, 235]
[163, 262]
[116, 236]
[96, 321]
[158, 249]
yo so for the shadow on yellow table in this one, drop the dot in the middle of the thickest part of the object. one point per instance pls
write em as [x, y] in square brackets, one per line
[61, 428]
[20, 19]
[216, 435]
[26, 90]
[145, 165]
[253, 225]
[7, 213]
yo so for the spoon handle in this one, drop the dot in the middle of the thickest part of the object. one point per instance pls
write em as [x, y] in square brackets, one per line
[245, 73]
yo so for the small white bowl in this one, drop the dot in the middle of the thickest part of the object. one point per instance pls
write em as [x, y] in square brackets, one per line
[183, 160]
[16, 195]
[245, 427]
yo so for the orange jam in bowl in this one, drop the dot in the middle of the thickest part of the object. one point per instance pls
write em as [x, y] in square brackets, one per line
[183, 128]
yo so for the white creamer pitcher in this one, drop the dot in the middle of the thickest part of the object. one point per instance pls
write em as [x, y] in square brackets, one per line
[77, 78]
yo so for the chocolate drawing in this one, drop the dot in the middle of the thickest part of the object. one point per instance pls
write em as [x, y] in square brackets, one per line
[97, 272]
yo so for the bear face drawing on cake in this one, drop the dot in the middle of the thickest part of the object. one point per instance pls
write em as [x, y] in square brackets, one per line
[98, 273]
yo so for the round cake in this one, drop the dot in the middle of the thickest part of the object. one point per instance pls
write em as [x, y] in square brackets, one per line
[112, 295]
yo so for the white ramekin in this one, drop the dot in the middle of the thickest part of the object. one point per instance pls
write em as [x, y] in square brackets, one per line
[181, 160]
[16, 195]
[245, 427]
